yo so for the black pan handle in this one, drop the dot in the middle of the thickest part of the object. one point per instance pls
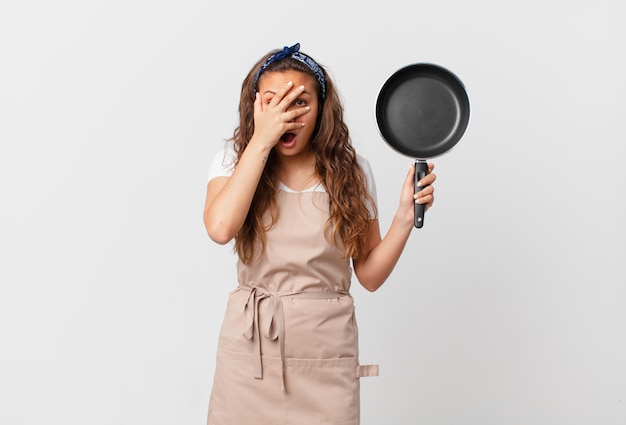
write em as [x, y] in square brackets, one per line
[421, 169]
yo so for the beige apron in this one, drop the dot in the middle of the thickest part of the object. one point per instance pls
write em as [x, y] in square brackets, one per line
[288, 348]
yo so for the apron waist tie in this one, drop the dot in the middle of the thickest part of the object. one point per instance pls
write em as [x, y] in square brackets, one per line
[274, 329]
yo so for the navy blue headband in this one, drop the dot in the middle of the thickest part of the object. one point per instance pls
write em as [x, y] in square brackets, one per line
[293, 52]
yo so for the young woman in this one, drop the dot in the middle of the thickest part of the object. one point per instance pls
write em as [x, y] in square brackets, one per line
[299, 203]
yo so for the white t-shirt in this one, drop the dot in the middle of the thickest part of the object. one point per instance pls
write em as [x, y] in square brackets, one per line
[223, 164]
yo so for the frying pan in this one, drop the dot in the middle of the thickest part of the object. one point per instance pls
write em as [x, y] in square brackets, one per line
[422, 111]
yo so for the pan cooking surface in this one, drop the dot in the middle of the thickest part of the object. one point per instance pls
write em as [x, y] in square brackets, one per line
[422, 111]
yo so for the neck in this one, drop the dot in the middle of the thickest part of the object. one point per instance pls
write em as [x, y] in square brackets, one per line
[290, 164]
[297, 172]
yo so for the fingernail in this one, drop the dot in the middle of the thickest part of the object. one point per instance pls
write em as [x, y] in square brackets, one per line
[308, 108]
[290, 83]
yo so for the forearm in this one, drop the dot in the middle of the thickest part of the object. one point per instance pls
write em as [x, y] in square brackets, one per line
[373, 270]
[226, 211]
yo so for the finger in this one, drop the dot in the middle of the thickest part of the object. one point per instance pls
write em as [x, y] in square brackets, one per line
[291, 96]
[427, 180]
[429, 204]
[295, 113]
[427, 191]
[258, 105]
[428, 199]
[294, 125]
[279, 96]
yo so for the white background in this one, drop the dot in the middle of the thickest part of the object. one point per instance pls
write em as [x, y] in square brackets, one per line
[508, 307]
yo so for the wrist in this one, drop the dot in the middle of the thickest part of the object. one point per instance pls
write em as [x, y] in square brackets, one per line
[259, 147]
[404, 220]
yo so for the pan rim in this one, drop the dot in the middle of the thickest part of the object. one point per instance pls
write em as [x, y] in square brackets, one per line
[419, 71]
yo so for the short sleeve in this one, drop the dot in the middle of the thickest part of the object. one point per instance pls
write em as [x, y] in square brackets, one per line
[370, 183]
[223, 162]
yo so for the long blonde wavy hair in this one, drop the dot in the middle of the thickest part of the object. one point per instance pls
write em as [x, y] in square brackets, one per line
[335, 164]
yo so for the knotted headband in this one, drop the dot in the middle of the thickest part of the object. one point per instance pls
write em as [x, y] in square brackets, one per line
[294, 52]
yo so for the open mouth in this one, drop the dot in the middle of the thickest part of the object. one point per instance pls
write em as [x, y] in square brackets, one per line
[288, 139]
